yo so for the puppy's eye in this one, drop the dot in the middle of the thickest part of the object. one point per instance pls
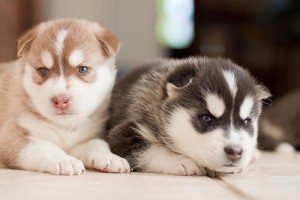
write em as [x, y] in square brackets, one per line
[83, 69]
[247, 122]
[207, 118]
[43, 71]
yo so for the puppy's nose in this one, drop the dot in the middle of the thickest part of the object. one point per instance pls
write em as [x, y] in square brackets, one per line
[60, 102]
[233, 153]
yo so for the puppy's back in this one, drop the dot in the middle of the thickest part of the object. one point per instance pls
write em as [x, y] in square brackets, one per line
[120, 101]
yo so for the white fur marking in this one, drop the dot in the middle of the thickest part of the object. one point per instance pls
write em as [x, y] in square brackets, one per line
[208, 149]
[215, 105]
[44, 156]
[246, 107]
[47, 59]
[146, 133]
[231, 81]
[160, 159]
[95, 93]
[59, 86]
[60, 38]
[76, 58]
[96, 154]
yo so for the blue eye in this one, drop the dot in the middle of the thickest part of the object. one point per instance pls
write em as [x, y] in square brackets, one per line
[83, 69]
[207, 118]
[43, 71]
[247, 122]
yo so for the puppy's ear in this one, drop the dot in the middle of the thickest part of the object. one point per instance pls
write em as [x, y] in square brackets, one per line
[179, 80]
[109, 43]
[263, 94]
[25, 42]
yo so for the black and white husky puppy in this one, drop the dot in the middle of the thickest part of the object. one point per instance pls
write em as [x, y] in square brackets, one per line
[186, 116]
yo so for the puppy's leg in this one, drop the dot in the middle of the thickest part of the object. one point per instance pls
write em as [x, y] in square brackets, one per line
[96, 154]
[160, 159]
[43, 156]
[147, 156]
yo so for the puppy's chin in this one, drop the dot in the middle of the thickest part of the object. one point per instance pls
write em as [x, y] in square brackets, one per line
[216, 174]
[228, 169]
[65, 117]
[65, 113]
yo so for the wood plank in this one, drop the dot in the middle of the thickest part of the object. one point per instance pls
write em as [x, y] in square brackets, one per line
[274, 176]
[17, 184]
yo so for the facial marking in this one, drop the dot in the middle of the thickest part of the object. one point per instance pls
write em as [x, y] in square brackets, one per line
[59, 86]
[246, 107]
[233, 135]
[59, 43]
[205, 149]
[47, 59]
[215, 105]
[76, 58]
[231, 81]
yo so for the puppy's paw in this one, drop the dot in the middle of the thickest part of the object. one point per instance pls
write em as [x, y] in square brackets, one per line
[110, 163]
[185, 167]
[67, 166]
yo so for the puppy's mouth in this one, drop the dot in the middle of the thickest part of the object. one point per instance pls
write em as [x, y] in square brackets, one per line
[65, 113]
[229, 165]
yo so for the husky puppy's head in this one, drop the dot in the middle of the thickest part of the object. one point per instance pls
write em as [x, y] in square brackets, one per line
[69, 68]
[212, 108]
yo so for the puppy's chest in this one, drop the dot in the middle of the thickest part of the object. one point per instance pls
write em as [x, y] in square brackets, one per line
[64, 137]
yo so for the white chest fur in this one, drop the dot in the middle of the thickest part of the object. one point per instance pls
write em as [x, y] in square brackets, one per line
[66, 136]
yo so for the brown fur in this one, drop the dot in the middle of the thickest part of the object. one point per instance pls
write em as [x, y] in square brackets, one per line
[89, 40]
[14, 100]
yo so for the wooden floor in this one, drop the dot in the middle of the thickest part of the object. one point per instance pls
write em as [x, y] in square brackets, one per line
[271, 177]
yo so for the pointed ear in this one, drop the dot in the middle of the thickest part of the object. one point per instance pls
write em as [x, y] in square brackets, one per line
[109, 43]
[25, 41]
[179, 80]
[263, 94]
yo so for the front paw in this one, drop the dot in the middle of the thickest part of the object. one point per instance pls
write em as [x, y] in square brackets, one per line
[185, 167]
[109, 163]
[67, 165]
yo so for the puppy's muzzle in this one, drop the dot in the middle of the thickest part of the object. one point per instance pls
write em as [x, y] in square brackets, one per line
[60, 102]
[233, 153]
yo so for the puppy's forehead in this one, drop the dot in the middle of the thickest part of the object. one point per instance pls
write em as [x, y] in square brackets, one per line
[230, 79]
[62, 39]
[215, 104]
[227, 89]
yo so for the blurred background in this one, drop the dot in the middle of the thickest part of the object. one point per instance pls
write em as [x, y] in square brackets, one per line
[261, 35]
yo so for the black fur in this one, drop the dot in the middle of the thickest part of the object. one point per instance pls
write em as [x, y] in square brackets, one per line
[141, 97]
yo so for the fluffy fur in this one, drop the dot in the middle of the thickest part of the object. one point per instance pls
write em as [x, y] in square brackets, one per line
[186, 117]
[54, 100]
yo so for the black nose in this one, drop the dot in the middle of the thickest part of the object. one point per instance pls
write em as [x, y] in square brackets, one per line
[233, 153]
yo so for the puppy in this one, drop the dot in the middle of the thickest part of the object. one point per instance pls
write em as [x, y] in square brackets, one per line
[186, 117]
[54, 100]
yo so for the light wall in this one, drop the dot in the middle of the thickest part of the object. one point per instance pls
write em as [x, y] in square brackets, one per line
[133, 21]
